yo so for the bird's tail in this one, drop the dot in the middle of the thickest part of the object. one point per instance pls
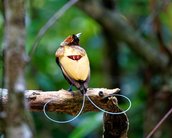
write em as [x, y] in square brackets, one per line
[83, 89]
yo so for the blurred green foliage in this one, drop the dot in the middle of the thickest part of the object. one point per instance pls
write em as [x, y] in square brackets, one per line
[43, 73]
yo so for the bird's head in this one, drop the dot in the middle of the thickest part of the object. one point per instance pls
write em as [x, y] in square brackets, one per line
[71, 40]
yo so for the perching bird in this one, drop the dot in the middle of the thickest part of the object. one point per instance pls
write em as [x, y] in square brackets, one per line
[74, 63]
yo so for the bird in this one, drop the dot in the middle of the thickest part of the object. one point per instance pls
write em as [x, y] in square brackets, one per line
[74, 63]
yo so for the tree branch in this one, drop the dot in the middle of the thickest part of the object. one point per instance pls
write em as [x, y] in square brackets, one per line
[117, 26]
[70, 103]
[159, 123]
[49, 23]
[66, 102]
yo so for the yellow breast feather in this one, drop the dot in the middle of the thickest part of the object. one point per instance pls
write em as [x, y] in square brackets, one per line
[76, 69]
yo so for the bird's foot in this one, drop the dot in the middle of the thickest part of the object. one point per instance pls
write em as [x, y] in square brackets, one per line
[70, 88]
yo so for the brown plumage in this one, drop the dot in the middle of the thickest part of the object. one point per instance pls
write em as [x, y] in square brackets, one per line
[74, 62]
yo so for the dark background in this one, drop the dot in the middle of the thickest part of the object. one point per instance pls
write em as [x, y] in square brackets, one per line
[113, 63]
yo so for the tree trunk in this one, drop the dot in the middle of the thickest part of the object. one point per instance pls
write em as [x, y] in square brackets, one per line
[15, 58]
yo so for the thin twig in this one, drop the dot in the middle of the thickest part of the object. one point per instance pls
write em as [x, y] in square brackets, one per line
[50, 22]
[159, 123]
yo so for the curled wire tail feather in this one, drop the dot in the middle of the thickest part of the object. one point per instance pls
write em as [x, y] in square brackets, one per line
[83, 103]
[67, 121]
[113, 113]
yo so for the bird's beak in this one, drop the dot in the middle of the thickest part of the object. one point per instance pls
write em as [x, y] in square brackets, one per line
[78, 35]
